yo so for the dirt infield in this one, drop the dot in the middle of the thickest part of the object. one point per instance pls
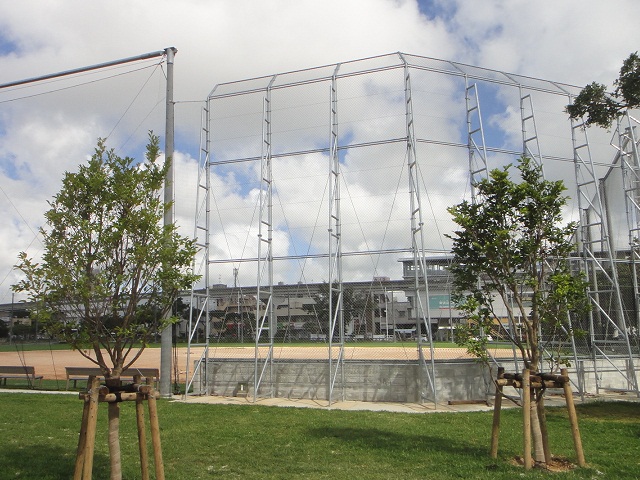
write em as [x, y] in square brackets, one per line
[51, 363]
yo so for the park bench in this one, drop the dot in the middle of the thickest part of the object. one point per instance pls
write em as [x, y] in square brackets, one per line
[27, 373]
[75, 374]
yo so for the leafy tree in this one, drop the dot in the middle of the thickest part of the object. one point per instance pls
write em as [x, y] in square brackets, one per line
[4, 330]
[110, 271]
[22, 330]
[354, 306]
[511, 259]
[10, 330]
[180, 309]
[602, 108]
[21, 313]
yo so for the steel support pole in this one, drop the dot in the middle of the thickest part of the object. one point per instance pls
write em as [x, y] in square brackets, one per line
[99, 66]
[165, 345]
[165, 355]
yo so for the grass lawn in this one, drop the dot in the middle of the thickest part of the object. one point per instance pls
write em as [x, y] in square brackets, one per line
[26, 347]
[39, 436]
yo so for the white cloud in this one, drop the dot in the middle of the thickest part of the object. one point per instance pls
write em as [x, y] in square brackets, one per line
[571, 41]
[222, 41]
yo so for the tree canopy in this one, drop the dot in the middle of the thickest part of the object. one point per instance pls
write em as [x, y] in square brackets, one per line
[111, 270]
[600, 107]
[511, 264]
[354, 306]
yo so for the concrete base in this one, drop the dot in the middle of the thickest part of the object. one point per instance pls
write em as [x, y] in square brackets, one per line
[389, 381]
[370, 381]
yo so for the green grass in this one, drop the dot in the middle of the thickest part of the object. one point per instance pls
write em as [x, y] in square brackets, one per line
[27, 347]
[201, 441]
[44, 385]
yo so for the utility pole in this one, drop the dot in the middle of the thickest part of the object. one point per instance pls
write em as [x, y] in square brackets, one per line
[166, 338]
[11, 320]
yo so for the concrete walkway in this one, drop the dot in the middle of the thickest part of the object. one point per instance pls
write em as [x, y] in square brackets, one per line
[351, 406]
[550, 401]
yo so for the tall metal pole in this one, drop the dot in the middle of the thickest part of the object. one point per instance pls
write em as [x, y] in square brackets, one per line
[65, 73]
[165, 354]
[166, 339]
[11, 320]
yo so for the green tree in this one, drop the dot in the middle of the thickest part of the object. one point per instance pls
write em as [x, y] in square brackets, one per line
[110, 271]
[600, 107]
[511, 259]
[355, 306]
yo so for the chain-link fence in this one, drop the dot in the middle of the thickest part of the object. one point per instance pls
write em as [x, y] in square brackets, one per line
[323, 203]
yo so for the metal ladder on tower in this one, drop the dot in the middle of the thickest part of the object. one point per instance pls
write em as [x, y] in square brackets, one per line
[607, 325]
[478, 162]
[478, 169]
[530, 142]
[628, 146]
[531, 149]
[421, 281]
[336, 310]
[265, 320]
[199, 312]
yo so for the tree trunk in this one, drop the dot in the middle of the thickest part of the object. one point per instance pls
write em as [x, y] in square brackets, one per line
[536, 435]
[538, 422]
[114, 441]
[542, 417]
[115, 461]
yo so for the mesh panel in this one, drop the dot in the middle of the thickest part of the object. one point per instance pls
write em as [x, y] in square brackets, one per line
[379, 306]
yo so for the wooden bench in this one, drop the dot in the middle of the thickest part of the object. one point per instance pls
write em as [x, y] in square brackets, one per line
[76, 374]
[27, 373]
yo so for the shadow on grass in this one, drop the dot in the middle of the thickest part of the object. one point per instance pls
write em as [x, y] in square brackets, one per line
[44, 461]
[374, 438]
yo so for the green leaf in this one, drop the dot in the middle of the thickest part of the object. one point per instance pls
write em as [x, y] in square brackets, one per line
[110, 271]
[510, 255]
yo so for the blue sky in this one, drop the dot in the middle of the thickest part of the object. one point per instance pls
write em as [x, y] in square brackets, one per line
[6, 46]
[436, 9]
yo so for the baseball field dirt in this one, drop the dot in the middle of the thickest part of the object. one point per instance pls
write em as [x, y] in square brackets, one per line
[51, 363]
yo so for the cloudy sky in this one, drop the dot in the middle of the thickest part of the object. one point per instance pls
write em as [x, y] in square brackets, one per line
[49, 128]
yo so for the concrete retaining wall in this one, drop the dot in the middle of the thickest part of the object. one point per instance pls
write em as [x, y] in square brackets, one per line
[370, 381]
[612, 374]
[393, 381]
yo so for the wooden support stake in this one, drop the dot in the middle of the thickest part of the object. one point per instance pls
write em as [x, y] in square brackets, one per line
[573, 419]
[86, 441]
[142, 439]
[119, 397]
[495, 430]
[92, 420]
[155, 437]
[82, 441]
[526, 419]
